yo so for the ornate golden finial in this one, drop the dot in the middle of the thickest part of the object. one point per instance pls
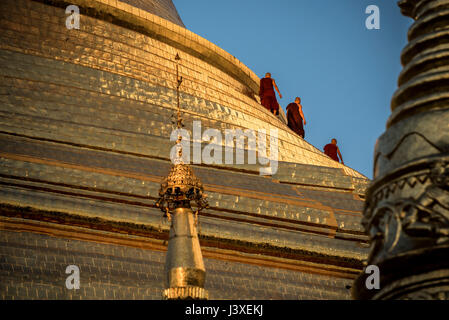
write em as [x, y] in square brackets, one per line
[180, 193]
[181, 187]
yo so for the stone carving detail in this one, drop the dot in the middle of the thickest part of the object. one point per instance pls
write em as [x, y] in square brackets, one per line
[424, 295]
[390, 154]
[429, 214]
[425, 216]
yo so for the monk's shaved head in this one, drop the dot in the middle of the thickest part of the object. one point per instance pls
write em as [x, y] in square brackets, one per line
[334, 141]
[298, 99]
[267, 75]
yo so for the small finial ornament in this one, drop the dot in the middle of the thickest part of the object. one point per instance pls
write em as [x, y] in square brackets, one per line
[181, 197]
[181, 187]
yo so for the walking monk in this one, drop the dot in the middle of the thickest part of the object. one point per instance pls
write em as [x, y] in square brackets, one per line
[267, 94]
[331, 150]
[295, 117]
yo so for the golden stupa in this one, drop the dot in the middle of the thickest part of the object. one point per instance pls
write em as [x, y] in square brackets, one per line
[85, 145]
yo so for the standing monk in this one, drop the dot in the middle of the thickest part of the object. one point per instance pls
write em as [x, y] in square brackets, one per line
[267, 95]
[295, 117]
[331, 150]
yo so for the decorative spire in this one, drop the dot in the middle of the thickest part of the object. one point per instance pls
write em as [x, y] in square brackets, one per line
[181, 194]
[407, 204]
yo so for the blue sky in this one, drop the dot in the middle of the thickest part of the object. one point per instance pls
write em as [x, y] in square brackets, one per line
[321, 51]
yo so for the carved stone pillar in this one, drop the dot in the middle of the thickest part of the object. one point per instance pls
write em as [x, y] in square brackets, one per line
[407, 206]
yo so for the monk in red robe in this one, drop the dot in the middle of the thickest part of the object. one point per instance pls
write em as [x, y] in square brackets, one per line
[295, 117]
[332, 150]
[267, 94]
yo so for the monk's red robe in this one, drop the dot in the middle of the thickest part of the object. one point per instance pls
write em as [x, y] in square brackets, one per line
[331, 150]
[294, 119]
[267, 95]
